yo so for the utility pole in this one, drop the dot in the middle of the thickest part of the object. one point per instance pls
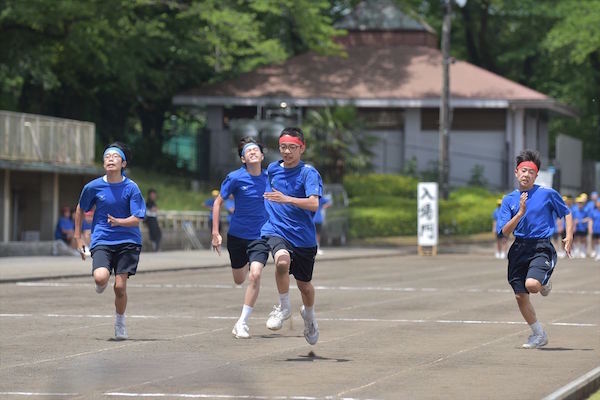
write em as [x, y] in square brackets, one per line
[444, 162]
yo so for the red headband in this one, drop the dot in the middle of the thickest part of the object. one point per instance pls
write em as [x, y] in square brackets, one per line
[291, 139]
[528, 164]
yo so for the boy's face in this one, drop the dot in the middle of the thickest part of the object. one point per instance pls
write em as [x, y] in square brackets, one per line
[526, 177]
[253, 155]
[291, 152]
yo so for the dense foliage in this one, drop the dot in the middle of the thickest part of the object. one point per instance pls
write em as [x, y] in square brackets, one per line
[386, 205]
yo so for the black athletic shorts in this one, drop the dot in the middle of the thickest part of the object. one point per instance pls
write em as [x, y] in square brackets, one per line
[595, 235]
[119, 258]
[530, 258]
[580, 234]
[303, 258]
[238, 251]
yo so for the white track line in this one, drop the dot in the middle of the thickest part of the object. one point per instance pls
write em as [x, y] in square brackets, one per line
[317, 287]
[225, 396]
[37, 394]
[378, 320]
[126, 344]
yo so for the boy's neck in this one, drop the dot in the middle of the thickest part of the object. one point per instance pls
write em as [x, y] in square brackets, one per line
[114, 177]
[254, 169]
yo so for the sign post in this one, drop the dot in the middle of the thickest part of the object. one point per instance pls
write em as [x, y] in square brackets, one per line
[427, 218]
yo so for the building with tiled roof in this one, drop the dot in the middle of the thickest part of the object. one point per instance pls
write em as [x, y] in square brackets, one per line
[392, 72]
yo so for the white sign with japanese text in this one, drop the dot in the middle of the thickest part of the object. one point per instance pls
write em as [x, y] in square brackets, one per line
[427, 214]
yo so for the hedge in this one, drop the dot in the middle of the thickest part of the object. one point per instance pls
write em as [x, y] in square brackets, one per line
[386, 205]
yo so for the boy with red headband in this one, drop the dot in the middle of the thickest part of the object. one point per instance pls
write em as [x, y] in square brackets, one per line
[291, 200]
[529, 214]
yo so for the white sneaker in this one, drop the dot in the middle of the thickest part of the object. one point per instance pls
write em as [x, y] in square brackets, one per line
[120, 332]
[277, 316]
[241, 331]
[536, 341]
[319, 252]
[545, 290]
[100, 289]
[311, 329]
[87, 252]
[497, 255]
[503, 255]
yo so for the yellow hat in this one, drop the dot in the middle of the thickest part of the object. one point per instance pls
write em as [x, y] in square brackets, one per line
[584, 196]
[498, 202]
[215, 193]
[580, 199]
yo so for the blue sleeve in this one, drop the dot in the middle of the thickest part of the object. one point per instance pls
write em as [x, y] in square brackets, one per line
[87, 198]
[137, 205]
[313, 185]
[503, 216]
[227, 186]
[560, 208]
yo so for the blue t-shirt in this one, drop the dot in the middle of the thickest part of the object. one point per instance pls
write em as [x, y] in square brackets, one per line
[121, 200]
[86, 226]
[579, 214]
[496, 214]
[249, 205]
[543, 206]
[320, 214]
[63, 223]
[292, 223]
[595, 216]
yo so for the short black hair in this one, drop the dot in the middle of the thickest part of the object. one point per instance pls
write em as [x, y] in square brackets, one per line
[151, 190]
[124, 148]
[529, 155]
[294, 132]
[244, 141]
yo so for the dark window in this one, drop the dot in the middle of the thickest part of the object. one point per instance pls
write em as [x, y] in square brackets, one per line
[466, 119]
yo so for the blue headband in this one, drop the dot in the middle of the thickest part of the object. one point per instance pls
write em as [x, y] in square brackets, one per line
[115, 150]
[248, 146]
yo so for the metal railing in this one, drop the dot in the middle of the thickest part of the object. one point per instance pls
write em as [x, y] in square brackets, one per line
[38, 138]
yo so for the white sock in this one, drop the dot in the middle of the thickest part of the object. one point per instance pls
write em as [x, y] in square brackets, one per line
[284, 300]
[537, 329]
[246, 311]
[309, 313]
[120, 319]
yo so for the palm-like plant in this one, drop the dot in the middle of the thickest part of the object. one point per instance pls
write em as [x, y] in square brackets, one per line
[338, 142]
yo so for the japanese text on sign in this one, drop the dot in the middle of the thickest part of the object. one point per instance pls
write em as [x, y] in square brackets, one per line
[427, 214]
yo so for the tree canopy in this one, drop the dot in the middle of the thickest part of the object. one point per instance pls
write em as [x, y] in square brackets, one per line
[118, 63]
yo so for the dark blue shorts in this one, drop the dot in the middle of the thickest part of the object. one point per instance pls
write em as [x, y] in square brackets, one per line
[530, 258]
[119, 258]
[238, 251]
[303, 258]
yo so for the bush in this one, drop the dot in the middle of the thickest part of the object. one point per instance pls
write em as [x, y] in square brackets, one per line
[386, 205]
[378, 184]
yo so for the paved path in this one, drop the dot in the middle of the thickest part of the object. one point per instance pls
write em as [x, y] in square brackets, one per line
[393, 326]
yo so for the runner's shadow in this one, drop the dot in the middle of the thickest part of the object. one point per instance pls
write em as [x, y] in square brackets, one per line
[562, 349]
[312, 357]
[278, 336]
[132, 340]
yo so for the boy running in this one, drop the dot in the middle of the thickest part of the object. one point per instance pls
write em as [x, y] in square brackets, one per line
[247, 185]
[292, 197]
[528, 213]
[116, 237]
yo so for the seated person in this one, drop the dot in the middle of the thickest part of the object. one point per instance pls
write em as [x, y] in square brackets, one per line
[65, 228]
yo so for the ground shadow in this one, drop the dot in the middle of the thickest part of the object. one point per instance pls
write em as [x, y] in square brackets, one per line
[312, 357]
[132, 340]
[562, 349]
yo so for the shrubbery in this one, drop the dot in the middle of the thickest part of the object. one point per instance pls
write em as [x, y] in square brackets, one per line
[386, 205]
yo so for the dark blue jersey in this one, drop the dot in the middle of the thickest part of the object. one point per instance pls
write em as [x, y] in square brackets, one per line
[249, 213]
[292, 223]
[543, 206]
[121, 200]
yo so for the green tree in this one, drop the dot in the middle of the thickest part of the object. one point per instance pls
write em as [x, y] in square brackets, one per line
[119, 62]
[338, 142]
